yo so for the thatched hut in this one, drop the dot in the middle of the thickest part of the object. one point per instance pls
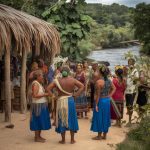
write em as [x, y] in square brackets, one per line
[22, 33]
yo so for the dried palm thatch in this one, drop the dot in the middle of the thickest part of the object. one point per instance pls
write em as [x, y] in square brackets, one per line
[22, 32]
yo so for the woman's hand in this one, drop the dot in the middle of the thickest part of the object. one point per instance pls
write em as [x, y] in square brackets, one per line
[96, 108]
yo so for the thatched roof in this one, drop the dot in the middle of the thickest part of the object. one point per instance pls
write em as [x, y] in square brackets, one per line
[22, 32]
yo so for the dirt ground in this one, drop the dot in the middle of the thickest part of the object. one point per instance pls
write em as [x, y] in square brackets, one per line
[21, 138]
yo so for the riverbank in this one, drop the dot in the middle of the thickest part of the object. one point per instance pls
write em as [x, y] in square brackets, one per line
[113, 56]
[21, 138]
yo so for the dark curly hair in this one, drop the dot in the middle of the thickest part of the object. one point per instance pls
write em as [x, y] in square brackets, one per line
[119, 73]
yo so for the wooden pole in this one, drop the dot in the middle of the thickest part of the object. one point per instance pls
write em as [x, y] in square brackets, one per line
[7, 87]
[23, 83]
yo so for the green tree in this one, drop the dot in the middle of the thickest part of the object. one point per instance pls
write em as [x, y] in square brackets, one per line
[142, 25]
[17, 4]
[72, 24]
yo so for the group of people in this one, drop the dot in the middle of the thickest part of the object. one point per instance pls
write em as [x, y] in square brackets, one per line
[67, 87]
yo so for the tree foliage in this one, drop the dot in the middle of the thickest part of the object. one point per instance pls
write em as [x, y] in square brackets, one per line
[142, 25]
[115, 14]
[73, 25]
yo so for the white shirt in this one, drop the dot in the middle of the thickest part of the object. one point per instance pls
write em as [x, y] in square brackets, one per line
[131, 86]
[41, 91]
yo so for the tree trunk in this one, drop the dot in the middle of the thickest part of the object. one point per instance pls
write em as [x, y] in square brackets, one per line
[7, 87]
[23, 83]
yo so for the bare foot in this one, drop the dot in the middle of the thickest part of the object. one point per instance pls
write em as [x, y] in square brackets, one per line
[97, 138]
[62, 142]
[104, 137]
[39, 140]
[42, 138]
[86, 117]
[73, 141]
[53, 124]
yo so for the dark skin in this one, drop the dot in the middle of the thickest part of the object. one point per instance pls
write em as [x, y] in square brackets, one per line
[99, 86]
[96, 74]
[68, 84]
[35, 91]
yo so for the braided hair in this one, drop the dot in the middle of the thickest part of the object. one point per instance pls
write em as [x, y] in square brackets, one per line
[104, 70]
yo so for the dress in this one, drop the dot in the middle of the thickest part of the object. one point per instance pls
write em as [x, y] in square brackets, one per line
[118, 98]
[101, 120]
[40, 118]
[81, 101]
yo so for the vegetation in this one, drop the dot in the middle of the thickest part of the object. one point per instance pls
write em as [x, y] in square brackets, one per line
[115, 14]
[82, 26]
[138, 138]
[73, 26]
[142, 25]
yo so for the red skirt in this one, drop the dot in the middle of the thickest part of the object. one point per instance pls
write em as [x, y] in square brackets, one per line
[120, 106]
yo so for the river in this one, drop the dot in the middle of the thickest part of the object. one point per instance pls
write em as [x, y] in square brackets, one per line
[113, 56]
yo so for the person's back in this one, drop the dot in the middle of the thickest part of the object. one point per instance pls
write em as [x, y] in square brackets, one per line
[106, 85]
[67, 84]
[66, 116]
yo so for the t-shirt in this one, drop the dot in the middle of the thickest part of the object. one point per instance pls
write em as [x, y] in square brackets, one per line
[131, 86]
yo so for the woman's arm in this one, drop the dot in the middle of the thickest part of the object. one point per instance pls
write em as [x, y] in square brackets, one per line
[49, 88]
[97, 93]
[80, 87]
[112, 90]
[35, 91]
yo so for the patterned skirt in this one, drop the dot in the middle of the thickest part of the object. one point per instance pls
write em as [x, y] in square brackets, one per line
[81, 103]
[120, 106]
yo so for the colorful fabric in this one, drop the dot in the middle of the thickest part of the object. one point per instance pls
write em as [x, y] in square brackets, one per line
[106, 88]
[114, 112]
[72, 118]
[120, 89]
[131, 86]
[40, 118]
[101, 120]
[81, 103]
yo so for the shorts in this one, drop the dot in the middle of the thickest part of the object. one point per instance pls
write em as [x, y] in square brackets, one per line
[130, 99]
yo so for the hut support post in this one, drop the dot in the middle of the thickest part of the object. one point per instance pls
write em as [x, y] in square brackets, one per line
[23, 83]
[7, 87]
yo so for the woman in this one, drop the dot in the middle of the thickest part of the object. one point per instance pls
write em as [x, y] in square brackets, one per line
[101, 114]
[34, 68]
[118, 97]
[86, 71]
[40, 119]
[66, 117]
[81, 101]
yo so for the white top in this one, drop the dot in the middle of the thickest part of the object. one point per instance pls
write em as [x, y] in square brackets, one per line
[41, 91]
[131, 86]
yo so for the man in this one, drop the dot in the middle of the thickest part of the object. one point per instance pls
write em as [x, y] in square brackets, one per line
[132, 77]
[66, 118]
[94, 78]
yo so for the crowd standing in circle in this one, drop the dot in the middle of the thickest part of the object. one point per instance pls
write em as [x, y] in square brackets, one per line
[68, 91]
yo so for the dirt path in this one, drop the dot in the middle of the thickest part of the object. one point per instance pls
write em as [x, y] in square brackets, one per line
[21, 138]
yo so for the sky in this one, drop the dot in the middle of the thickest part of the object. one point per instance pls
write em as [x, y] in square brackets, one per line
[130, 3]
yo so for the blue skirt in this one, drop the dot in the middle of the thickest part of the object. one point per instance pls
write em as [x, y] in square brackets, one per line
[40, 118]
[101, 120]
[72, 118]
